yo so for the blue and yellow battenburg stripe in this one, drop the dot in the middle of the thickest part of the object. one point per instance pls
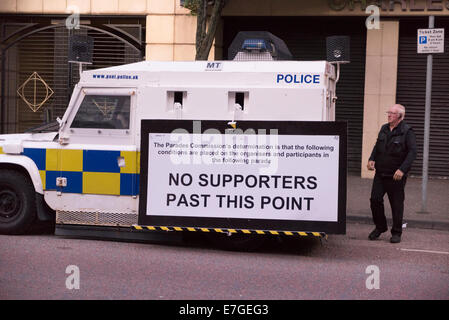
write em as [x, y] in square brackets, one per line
[88, 171]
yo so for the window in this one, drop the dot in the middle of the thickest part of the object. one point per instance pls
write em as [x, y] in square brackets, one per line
[103, 112]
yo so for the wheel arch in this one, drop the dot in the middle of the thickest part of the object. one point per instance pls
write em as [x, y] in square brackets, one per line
[24, 165]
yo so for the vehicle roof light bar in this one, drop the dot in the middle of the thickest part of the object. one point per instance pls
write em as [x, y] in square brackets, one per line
[254, 45]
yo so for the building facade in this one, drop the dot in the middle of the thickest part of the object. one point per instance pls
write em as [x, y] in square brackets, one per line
[385, 67]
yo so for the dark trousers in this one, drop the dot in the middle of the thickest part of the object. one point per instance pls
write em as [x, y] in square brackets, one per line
[395, 191]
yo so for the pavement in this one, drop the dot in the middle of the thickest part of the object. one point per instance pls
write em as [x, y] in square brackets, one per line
[435, 217]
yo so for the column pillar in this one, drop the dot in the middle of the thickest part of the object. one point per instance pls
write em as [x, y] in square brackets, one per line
[171, 31]
[380, 84]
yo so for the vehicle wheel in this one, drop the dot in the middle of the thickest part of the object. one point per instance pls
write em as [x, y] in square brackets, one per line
[17, 202]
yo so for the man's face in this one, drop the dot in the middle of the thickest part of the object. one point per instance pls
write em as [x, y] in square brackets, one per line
[393, 115]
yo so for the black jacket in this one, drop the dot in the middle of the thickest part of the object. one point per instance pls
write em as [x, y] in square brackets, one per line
[394, 149]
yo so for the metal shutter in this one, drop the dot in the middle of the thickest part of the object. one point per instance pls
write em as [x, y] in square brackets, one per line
[43, 48]
[306, 39]
[411, 91]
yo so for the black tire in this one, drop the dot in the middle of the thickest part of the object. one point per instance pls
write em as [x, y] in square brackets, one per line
[17, 202]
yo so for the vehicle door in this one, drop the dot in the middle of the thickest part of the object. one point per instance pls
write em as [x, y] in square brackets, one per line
[93, 176]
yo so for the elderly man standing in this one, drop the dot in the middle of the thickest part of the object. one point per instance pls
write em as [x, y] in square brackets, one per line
[392, 157]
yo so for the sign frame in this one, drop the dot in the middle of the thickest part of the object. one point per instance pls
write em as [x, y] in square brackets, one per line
[283, 128]
[429, 34]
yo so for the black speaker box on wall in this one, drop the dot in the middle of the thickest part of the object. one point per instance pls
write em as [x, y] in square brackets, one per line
[338, 49]
[81, 48]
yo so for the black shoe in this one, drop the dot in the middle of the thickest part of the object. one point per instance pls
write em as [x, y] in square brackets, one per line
[375, 234]
[395, 238]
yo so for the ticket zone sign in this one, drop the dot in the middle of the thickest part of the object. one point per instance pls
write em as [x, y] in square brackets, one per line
[265, 175]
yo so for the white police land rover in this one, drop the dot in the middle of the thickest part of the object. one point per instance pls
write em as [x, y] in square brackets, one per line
[88, 172]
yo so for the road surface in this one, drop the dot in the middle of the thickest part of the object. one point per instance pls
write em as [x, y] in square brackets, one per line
[343, 267]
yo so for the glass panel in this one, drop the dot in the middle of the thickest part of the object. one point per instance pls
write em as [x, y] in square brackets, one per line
[103, 112]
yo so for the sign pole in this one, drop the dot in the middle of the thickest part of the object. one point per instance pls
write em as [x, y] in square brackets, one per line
[425, 165]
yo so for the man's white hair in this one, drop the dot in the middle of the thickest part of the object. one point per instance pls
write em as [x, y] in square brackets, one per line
[401, 109]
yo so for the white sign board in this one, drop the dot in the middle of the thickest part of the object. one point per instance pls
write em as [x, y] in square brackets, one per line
[248, 176]
[263, 175]
[430, 40]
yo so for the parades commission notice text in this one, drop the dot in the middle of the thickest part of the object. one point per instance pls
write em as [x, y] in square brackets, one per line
[259, 173]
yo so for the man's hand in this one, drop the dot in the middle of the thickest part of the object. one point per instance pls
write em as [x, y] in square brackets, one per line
[370, 165]
[398, 175]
